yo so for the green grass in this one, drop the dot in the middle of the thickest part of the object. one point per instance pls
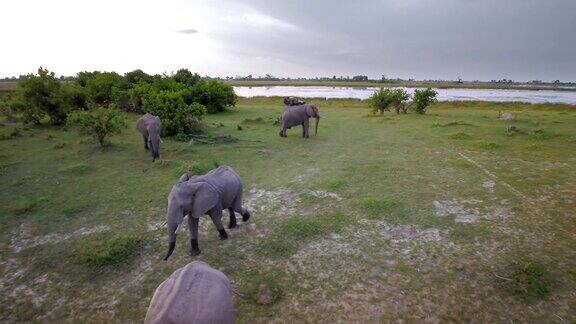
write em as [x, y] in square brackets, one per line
[105, 253]
[529, 280]
[383, 208]
[327, 259]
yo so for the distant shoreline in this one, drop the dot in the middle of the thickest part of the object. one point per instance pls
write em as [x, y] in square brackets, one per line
[409, 84]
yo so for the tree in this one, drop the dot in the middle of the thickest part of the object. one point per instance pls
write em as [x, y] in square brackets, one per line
[41, 95]
[99, 122]
[423, 98]
[186, 77]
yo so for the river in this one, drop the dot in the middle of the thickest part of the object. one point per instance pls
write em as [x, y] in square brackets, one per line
[497, 95]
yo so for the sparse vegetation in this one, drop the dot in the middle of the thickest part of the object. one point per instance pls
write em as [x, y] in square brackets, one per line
[100, 123]
[340, 223]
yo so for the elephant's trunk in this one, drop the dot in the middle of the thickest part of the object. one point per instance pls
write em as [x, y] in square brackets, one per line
[172, 227]
[316, 129]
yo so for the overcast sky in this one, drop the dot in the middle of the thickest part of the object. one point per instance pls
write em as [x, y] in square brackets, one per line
[422, 39]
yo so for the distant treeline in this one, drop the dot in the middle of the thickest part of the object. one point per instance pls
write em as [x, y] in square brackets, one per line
[354, 78]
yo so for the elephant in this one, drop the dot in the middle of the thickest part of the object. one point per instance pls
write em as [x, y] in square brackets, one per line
[298, 115]
[208, 194]
[150, 127]
[291, 101]
[195, 293]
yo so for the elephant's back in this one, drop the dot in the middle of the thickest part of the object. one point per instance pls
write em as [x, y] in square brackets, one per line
[195, 293]
[292, 115]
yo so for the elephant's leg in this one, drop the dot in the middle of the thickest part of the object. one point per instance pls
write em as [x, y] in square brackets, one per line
[216, 215]
[193, 228]
[305, 127]
[145, 142]
[237, 206]
[233, 223]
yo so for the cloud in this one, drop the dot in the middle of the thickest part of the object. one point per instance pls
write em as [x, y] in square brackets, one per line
[187, 31]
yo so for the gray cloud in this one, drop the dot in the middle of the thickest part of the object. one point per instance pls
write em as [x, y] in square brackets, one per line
[187, 31]
[473, 39]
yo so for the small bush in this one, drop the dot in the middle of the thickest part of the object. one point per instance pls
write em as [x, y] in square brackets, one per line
[99, 254]
[530, 280]
[423, 99]
[384, 98]
[99, 123]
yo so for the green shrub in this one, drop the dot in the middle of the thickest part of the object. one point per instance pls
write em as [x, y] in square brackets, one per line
[41, 95]
[423, 99]
[101, 87]
[99, 123]
[400, 96]
[381, 100]
[99, 254]
[530, 280]
[177, 116]
[215, 96]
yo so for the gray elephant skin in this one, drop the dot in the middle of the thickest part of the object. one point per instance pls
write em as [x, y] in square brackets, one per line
[195, 293]
[150, 127]
[208, 194]
[299, 115]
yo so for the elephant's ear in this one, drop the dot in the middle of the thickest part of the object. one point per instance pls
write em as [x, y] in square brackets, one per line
[184, 177]
[205, 198]
[310, 110]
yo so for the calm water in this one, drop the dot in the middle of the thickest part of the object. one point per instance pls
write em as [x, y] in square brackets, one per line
[530, 96]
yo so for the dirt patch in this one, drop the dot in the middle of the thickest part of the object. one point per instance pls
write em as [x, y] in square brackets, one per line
[400, 233]
[489, 185]
[24, 240]
[464, 210]
[281, 201]
[324, 194]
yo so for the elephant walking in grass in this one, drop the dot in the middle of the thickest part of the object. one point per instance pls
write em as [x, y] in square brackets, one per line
[299, 115]
[150, 127]
[208, 194]
[195, 293]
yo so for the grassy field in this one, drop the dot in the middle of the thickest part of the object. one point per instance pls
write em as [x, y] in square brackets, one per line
[442, 217]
